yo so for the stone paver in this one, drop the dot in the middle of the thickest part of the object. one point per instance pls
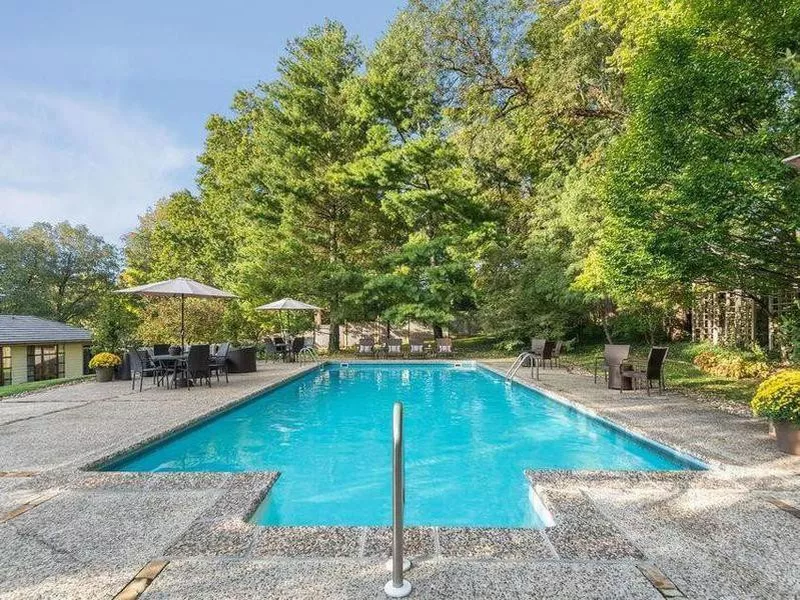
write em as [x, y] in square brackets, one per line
[707, 535]
[437, 578]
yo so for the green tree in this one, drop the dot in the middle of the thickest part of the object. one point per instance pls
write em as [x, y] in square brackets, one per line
[416, 170]
[308, 136]
[695, 185]
[57, 271]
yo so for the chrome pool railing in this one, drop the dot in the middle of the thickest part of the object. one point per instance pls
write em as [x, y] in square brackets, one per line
[397, 586]
[518, 362]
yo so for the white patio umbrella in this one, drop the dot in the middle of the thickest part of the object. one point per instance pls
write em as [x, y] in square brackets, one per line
[287, 304]
[182, 287]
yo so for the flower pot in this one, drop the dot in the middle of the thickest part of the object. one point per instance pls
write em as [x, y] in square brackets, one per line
[788, 437]
[104, 374]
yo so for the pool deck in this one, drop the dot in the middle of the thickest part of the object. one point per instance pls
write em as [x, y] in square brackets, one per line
[66, 532]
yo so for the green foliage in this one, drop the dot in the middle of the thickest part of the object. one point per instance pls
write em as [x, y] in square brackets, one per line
[731, 363]
[113, 324]
[556, 168]
[57, 271]
[778, 397]
[695, 185]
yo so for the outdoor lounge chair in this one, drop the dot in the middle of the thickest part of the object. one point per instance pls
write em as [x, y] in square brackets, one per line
[366, 346]
[648, 372]
[142, 366]
[613, 357]
[416, 348]
[394, 348]
[444, 347]
[219, 361]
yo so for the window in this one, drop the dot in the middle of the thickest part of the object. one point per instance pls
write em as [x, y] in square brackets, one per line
[5, 365]
[45, 362]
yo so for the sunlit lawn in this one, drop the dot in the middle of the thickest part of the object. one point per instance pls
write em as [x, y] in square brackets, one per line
[680, 373]
[30, 386]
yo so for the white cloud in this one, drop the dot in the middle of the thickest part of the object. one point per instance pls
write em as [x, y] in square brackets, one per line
[85, 161]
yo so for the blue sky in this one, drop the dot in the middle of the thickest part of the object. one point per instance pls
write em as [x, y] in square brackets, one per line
[103, 104]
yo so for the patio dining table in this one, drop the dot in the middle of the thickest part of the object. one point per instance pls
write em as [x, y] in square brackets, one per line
[171, 362]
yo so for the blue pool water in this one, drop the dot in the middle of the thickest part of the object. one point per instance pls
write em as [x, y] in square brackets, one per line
[469, 436]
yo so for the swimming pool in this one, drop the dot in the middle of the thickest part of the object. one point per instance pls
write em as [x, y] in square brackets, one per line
[469, 437]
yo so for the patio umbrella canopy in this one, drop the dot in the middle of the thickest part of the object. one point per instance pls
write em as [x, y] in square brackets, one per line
[182, 287]
[287, 304]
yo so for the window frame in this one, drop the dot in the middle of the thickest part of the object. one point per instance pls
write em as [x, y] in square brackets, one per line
[40, 362]
[5, 365]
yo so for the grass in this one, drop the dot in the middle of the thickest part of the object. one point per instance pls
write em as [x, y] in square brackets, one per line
[680, 374]
[31, 386]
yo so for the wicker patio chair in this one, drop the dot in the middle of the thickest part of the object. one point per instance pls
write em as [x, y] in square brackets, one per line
[652, 370]
[219, 360]
[444, 347]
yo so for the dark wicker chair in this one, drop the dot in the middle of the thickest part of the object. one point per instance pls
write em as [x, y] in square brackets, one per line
[298, 344]
[142, 366]
[648, 372]
[281, 347]
[160, 349]
[270, 351]
[198, 364]
[542, 351]
[219, 361]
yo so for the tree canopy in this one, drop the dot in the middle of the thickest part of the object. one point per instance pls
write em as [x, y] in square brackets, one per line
[556, 167]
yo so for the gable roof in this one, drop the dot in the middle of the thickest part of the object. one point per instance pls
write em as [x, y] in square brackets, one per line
[24, 329]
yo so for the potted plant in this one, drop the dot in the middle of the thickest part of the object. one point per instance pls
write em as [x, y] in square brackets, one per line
[103, 365]
[778, 399]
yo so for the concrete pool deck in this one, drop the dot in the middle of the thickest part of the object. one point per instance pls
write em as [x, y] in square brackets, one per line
[71, 533]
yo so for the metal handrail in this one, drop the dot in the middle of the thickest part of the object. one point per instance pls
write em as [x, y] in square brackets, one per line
[517, 365]
[397, 587]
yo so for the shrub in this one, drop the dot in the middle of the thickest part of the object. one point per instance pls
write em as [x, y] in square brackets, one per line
[104, 360]
[731, 364]
[778, 397]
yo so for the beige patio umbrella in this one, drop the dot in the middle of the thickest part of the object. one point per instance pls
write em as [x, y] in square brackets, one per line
[288, 304]
[792, 161]
[182, 287]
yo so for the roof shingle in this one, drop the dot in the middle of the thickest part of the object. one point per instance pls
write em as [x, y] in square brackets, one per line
[24, 329]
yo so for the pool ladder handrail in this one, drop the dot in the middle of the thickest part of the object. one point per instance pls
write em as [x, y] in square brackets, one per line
[518, 362]
[397, 586]
[308, 352]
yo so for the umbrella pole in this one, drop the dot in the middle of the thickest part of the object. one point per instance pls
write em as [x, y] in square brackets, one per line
[183, 329]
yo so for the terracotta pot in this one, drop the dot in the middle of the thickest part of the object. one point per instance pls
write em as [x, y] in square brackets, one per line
[788, 437]
[104, 374]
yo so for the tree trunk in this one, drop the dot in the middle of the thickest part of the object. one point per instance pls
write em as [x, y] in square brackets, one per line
[333, 338]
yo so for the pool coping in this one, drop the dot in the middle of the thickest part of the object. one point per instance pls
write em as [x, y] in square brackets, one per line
[579, 531]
